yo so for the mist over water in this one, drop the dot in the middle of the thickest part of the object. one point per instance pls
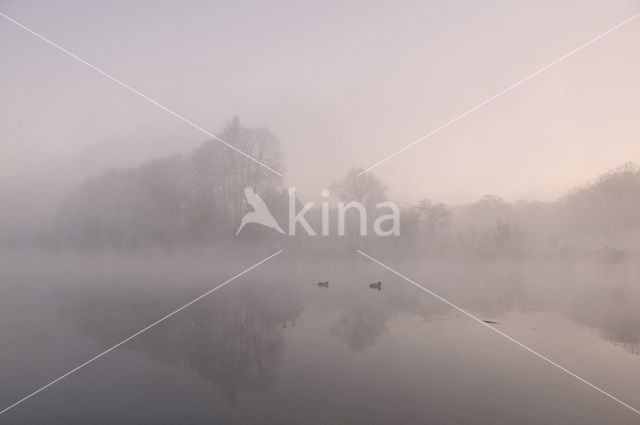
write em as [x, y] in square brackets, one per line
[274, 346]
[116, 214]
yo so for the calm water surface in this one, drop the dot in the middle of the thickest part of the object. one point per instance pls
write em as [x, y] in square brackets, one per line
[274, 348]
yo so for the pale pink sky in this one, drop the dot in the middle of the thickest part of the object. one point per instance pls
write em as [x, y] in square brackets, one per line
[341, 83]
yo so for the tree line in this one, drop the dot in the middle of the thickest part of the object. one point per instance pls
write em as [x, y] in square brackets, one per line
[198, 198]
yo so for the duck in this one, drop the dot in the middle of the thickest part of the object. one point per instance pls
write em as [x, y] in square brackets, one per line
[377, 286]
[324, 284]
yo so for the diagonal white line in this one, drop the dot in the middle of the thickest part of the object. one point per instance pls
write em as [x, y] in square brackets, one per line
[546, 359]
[142, 95]
[137, 333]
[494, 97]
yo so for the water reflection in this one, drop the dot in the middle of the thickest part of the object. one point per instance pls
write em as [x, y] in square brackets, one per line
[363, 314]
[234, 339]
[600, 297]
[361, 324]
[614, 312]
[294, 341]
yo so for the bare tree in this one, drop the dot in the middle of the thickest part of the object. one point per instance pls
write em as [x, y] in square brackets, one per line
[431, 217]
[220, 173]
[366, 189]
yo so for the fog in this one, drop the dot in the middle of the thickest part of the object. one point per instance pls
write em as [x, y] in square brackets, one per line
[210, 221]
[274, 345]
[341, 85]
[198, 200]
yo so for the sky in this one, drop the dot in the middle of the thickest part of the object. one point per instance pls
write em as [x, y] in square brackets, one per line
[342, 84]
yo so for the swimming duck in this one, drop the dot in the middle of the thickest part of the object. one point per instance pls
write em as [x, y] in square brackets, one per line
[377, 286]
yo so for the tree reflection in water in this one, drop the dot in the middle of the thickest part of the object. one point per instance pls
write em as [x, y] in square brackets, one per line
[233, 339]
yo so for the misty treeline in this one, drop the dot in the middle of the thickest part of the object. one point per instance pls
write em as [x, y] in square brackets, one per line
[600, 219]
[198, 198]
